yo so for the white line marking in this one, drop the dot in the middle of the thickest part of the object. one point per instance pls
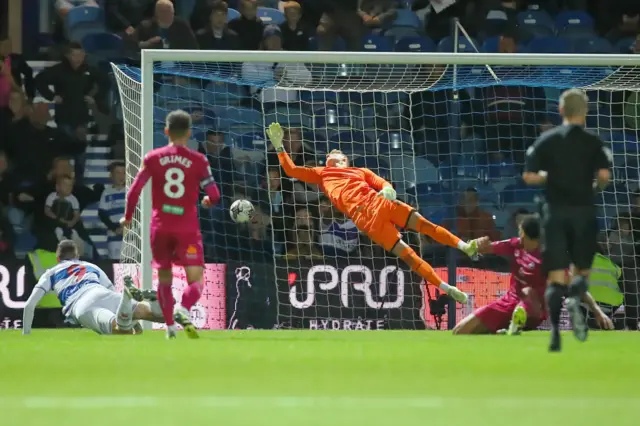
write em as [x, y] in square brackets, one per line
[283, 402]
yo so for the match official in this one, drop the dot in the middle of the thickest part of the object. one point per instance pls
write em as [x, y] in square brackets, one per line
[566, 160]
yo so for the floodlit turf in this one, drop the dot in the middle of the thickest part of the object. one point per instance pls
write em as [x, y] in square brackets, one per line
[313, 378]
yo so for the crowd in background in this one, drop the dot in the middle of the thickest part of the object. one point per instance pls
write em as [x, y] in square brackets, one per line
[44, 190]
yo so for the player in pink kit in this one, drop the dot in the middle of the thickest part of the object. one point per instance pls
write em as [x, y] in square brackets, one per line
[177, 174]
[522, 307]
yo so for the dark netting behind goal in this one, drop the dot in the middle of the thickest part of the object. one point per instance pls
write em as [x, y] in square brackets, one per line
[450, 138]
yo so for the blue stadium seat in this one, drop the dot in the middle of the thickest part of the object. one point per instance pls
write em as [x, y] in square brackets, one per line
[232, 14]
[331, 116]
[568, 19]
[549, 45]
[291, 116]
[625, 45]
[464, 45]
[396, 33]
[238, 115]
[320, 97]
[616, 195]
[407, 18]
[519, 194]
[270, 16]
[376, 43]
[593, 45]
[83, 20]
[352, 142]
[536, 23]
[395, 142]
[429, 194]
[415, 44]
[250, 142]
[339, 45]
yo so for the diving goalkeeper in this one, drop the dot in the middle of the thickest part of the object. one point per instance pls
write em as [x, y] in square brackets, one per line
[370, 202]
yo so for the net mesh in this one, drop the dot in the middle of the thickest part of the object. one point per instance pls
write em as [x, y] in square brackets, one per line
[434, 131]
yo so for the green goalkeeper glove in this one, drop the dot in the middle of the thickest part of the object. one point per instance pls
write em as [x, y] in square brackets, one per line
[276, 134]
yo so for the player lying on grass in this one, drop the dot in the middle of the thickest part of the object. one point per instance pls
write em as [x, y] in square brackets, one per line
[88, 296]
[177, 174]
[522, 307]
[370, 202]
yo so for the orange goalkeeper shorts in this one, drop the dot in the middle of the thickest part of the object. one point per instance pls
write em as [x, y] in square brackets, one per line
[380, 218]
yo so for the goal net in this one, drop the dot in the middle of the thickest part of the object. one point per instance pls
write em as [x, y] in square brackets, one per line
[448, 130]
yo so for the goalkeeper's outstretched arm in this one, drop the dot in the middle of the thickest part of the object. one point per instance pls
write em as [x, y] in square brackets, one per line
[306, 174]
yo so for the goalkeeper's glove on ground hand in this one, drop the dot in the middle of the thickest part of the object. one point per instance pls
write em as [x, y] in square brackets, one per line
[388, 193]
[276, 134]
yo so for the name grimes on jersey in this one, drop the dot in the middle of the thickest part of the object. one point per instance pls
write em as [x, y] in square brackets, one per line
[175, 159]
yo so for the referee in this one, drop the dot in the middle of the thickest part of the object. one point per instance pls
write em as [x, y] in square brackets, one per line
[566, 160]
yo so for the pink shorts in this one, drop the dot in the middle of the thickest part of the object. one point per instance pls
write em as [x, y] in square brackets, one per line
[497, 315]
[176, 248]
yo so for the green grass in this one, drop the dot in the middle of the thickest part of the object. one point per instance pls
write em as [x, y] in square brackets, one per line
[309, 378]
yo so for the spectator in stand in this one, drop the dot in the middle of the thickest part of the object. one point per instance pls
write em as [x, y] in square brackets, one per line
[301, 238]
[164, 30]
[259, 235]
[64, 6]
[627, 25]
[14, 112]
[8, 187]
[74, 86]
[333, 18]
[294, 35]
[220, 161]
[34, 136]
[268, 73]
[111, 208]
[338, 235]
[377, 13]
[511, 230]
[248, 26]
[20, 70]
[63, 208]
[618, 244]
[123, 16]
[217, 36]
[472, 222]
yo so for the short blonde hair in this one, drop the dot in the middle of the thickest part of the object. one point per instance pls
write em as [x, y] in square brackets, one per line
[292, 5]
[574, 103]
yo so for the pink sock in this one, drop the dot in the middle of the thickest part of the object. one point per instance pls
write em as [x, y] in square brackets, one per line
[191, 294]
[166, 302]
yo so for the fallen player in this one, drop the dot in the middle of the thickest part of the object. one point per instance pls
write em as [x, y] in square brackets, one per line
[370, 202]
[89, 298]
[522, 307]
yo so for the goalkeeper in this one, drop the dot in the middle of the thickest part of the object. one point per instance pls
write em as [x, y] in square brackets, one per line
[354, 191]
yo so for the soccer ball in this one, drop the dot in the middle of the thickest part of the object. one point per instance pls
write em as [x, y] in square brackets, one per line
[241, 211]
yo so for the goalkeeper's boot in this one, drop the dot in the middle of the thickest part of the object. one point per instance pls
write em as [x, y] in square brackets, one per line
[471, 249]
[134, 292]
[580, 327]
[149, 295]
[182, 317]
[457, 295]
[518, 321]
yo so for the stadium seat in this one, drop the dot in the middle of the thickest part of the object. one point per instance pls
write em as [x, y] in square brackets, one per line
[464, 45]
[429, 194]
[395, 143]
[232, 14]
[549, 45]
[397, 33]
[568, 19]
[351, 142]
[376, 43]
[238, 115]
[332, 116]
[250, 142]
[593, 45]
[407, 18]
[270, 16]
[318, 96]
[290, 116]
[519, 194]
[415, 44]
[83, 20]
[535, 24]
[625, 45]
[339, 45]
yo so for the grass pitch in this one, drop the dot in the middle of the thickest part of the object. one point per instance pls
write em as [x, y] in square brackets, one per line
[313, 378]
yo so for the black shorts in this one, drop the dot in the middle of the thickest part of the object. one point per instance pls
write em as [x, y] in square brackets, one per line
[570, 236]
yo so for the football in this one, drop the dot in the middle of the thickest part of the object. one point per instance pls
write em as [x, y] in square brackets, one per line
[241, 211]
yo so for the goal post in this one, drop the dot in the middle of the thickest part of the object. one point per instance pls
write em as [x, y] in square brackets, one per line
[369, 104]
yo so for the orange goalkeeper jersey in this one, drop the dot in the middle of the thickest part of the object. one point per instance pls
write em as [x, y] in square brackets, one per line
[352, 190]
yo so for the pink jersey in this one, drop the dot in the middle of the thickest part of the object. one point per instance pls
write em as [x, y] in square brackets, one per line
[526, 267]
[177, 173]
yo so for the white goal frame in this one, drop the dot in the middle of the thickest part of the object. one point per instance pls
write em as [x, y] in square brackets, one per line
[149, 57]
